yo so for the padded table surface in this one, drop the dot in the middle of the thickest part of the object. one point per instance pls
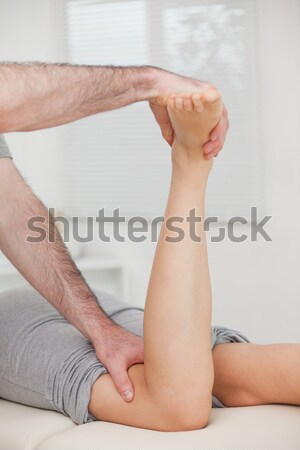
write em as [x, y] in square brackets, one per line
[270, 427]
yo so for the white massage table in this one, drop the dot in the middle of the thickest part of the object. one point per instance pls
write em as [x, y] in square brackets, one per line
[275, 427]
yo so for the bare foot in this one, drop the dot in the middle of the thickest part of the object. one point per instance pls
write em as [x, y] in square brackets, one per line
[193, 117]
[167, 83]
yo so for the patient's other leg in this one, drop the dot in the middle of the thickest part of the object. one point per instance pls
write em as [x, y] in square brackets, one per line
[253, 374]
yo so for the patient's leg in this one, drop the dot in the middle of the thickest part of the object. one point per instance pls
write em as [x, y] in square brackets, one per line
[252, 374]
[173, 387]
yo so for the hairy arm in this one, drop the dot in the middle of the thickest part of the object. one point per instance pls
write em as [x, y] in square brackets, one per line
[49, 268]
[37, 95]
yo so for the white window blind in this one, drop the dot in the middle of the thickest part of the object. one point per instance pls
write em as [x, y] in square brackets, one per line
[118, 159]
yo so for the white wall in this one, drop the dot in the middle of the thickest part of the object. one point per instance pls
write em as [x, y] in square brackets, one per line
[256, 285]
[27, 34]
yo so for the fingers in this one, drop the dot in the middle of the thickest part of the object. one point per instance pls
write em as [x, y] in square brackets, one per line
[122, 350]
[122, 381]
[162, 118]
[167, 131]
[217, 137]
[223, 126]
[168, 135]
[118, 367]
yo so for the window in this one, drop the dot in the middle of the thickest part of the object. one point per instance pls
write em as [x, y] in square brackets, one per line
[118, 159]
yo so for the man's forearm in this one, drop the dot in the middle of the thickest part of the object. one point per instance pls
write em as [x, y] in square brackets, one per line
[46, 265]
[36, 95]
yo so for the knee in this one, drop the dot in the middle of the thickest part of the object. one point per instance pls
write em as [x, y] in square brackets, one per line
[157, 409]
[184, 410]
[185, 414]
[187, 420]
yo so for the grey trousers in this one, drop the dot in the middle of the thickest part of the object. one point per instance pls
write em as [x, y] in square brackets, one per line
[47, 363]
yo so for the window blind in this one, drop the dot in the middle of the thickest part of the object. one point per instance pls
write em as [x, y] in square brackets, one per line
[118, 159]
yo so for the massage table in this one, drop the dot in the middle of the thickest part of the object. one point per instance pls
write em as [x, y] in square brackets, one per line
[267, 427]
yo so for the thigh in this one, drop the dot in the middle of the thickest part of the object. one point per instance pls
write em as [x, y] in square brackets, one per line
[46, 362]
[107, 404]
[254, 374]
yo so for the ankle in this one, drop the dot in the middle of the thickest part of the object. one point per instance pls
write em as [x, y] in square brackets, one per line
[190, 163]
[190, 177]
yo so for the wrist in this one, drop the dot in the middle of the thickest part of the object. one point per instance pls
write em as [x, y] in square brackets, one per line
[148, 85]
[92, 321]
[102, 332]
[97, 328]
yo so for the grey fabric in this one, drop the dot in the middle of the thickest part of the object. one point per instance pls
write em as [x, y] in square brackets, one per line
[45, 362]
[4, 150]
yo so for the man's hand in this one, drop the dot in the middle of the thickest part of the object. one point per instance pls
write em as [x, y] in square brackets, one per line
[118, 349]
[62, 93]
[169, 83]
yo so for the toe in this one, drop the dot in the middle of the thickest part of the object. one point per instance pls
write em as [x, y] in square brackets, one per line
[187, 104]
[212, 102]
[179, 103]
[197, 102]
[211, 95]
[171, 103]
